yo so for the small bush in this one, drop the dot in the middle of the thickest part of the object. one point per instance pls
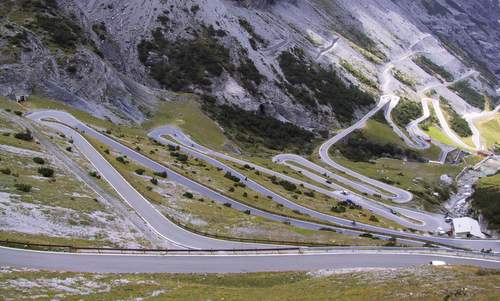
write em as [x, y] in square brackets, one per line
[46, 172]
[18, 113]
[161, 174]
[338, 209]
[229, 176]
[195, 8]
[309, 193]
[288, 185]
[69, 149]
[26, 136]
[227, 205]
[39, 160]
[5, 171]
[140, 171]
[181, 157]
[121, 159]
[154, 181]
[373, 218]
[188, 195]
[94, 174]
[23, 187]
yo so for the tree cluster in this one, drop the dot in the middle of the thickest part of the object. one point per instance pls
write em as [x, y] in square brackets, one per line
[310, 84]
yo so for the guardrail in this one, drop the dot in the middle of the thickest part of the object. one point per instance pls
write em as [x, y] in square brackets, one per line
[260, 251]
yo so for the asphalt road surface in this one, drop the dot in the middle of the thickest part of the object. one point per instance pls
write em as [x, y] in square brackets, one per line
[223, 263]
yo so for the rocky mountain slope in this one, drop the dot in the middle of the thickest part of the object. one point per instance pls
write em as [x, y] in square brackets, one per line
[297, 61]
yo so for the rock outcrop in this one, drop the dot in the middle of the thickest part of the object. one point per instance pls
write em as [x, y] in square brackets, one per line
[103, 71]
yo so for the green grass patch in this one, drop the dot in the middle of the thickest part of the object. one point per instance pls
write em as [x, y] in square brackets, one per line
[486, 199]
[438, 134]
[381, 132]
[490, 130]
[422, 179]
[61, 190]
[187, 115]
[51, 240]
[313, 200]
[467, 283]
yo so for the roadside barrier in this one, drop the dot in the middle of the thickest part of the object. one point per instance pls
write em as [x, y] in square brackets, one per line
[260, 251]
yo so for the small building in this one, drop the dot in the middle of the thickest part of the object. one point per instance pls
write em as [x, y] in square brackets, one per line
[466, 227]
[21, 97]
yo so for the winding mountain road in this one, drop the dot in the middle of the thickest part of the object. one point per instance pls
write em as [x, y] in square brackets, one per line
[308, 258]
[156, 220]
[430, 220]
[178, 236]
[185, 239]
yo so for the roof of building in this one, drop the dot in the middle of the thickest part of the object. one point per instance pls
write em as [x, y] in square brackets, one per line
[467, 225]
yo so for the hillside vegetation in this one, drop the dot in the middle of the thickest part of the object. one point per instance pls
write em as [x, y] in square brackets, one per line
[360, 148]
[432, 68]
[468, 94]
[457, 123]
[253, 128]
[312, 85]
[406, 111]
[486, 199]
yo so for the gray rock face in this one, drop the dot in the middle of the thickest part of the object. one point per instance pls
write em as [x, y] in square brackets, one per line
[469, 28]
[113, 83]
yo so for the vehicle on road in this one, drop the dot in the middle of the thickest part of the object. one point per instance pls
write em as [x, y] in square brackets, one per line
[437, 263]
